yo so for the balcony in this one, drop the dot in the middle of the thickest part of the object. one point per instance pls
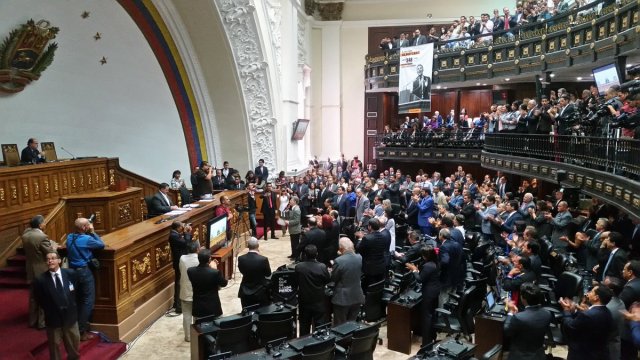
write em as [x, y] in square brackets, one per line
[580, 37]
[605, 168]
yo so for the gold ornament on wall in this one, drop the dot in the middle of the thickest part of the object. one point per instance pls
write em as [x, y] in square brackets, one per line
[24, 54]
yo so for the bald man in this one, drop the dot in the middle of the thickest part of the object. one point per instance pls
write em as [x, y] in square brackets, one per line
[254, 268]
[80, 246]
[346, 273]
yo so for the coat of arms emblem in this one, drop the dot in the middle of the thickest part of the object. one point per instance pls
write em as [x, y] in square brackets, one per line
[24, 54]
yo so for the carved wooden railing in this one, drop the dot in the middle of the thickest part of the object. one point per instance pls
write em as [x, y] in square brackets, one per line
[580, 36]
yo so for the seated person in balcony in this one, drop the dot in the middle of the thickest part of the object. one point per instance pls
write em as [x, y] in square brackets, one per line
[421, 85]
[160, 202]
[30, 154]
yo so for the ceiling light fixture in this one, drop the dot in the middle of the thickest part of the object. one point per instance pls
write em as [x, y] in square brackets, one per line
[552, 75]
[579, 78]
[506, 79]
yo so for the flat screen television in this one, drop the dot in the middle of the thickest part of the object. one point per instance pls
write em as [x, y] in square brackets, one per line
[606, 76]
[217, 230]
[299, 129]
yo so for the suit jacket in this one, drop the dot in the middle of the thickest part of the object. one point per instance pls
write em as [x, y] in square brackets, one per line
[316, 237]
[419, 40]
[486, 224]
[631, 292]
[254, 268]
[584, 331]
[615, 266]
[526, 330]
[178, 243]
[342, 206]
[421, 87]
[401, 43]
[563, 119]
[229, 177]
[346, 274]
[470, 216]
[219, 182]
[373, 247]
[58, 311]
[394, 192]
[361, 205]
[262, 173]
[36, 245]
[412, 214]
[560, 225]
[429, 277]
[425, 211]
[312, 278]
[186, 262]
[450, 253]
[510, 222]
[158, 205]
[269, 211]
[205, 282]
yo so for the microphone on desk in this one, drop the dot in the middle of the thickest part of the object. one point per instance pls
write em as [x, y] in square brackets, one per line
[65, 150]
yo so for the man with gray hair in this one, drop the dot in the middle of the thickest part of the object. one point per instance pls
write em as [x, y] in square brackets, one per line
[346, 274]
[254, 269]
[450, 253]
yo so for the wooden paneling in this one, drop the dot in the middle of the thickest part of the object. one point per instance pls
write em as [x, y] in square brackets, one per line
[475, 101]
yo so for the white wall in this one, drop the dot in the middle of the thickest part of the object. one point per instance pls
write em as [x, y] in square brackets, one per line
[122, 109]
[354, 49]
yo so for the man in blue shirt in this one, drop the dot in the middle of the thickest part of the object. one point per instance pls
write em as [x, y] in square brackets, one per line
[80, 245]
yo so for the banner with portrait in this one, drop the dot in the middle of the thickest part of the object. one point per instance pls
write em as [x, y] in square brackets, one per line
[416, 67]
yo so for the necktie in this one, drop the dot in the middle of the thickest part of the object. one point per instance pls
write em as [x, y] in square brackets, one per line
[606, 267]
[506, 23]
[60, 289]
[270, 201]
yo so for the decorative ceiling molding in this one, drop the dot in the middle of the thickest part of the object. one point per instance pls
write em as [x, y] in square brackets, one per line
[327, 10]
[274, 14]
[181, 37]
[241, 28]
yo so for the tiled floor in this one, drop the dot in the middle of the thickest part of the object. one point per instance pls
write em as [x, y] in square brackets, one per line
[165, 339]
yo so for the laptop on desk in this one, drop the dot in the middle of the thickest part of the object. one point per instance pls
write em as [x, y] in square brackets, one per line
[494, 307]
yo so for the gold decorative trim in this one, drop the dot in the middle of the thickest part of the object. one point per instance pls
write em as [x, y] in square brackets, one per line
[141, 267]
[98, 217]
[65, 183]
[162, 255]
[123, 278]
[124, 212]
[55, 184]
[112, 177]
[46, 186]
[1, 194]
[36, 189]
[25, 190]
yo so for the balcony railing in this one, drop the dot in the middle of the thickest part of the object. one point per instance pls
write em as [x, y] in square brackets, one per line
[619, 156]
[436, 138]
[592, 32]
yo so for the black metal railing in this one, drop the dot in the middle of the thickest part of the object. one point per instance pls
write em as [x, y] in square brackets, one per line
[616, 155]
[433, 138]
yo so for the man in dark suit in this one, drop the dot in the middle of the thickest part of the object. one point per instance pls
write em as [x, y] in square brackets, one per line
[362, 204]
[254, 269]
[54, 291]
[629, 295]
[421, 85]
[261, 171]
[346, 274]
[411, 212]
[312, 278]
[520, 273]
[160, 202]
[179, 238]
[325, 193]
[340, 202]
[564, 115]
[585, 330]
[227, 172]
[613, 262]
[219, 181]
[269, 211]
[394, 190]
[527, 328]
[450, 254]
[314, 236]
[373, 247]
[30, 154]
[206, 280]
[508, 224]
[414, 250]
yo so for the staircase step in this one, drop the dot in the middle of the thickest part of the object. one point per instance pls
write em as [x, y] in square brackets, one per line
[14, 283]
[17, 260]
[13, 271]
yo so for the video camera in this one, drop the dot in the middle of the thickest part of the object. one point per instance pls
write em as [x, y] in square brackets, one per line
[632, 87]
[627, 121]
[242, 208]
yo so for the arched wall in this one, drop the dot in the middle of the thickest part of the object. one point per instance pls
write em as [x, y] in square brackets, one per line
[123, 109]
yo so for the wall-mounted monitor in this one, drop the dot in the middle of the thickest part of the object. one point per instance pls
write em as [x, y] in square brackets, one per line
[217, 230]
[606, 76]
[299, 129]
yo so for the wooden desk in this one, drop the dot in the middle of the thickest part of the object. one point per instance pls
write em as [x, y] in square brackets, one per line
[489, 331]
[402, 319]
[224, 257]
[26, 191]
[137, 265]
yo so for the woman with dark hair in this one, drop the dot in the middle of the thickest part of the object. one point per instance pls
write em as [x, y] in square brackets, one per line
[429, 276]
[332, 231]
[351, 198]
[176, 181]
[250, 177]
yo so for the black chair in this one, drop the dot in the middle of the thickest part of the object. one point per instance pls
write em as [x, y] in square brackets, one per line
[185, 196]
[374, 308]
[323, 350]
[458, 320]
[234, 335]
[493, 353]
[363, 344]
[147, 202]
[221, 356]
[290, 278]
[271, 328]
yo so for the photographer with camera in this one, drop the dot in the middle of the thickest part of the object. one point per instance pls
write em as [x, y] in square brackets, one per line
[80, 246]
